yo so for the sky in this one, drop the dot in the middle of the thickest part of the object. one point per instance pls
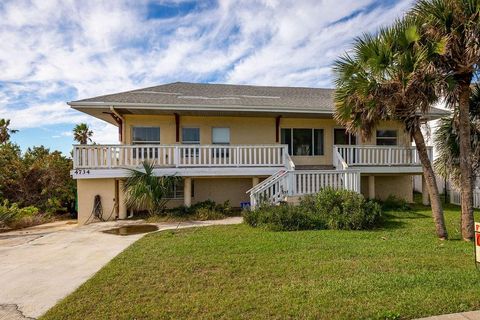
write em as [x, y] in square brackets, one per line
[52, 52]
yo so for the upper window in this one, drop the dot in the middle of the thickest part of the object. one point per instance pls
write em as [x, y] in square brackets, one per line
[191, 135]
[387, 138]
[221, 135]
[145, 135]
[303, 142]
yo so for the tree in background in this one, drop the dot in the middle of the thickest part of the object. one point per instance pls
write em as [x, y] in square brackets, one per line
[447, 143]
[82, 133]
[5, 131]
[39, 178]
[455, 24]
[389, 77]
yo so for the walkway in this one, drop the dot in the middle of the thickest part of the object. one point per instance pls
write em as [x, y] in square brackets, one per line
[43, 264]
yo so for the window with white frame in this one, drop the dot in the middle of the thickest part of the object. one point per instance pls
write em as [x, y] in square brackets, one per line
[303, 142]
[145, 135]
[387, 138]
[221, 136]
[191, 135]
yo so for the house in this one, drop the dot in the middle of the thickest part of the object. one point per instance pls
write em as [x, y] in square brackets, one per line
[240, 143]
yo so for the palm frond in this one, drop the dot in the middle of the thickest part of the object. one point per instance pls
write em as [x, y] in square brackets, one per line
[145, 191]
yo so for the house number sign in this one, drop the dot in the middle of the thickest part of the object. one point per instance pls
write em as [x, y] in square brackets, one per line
[82, 171]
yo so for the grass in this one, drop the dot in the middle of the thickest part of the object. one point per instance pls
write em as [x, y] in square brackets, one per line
[237, 272]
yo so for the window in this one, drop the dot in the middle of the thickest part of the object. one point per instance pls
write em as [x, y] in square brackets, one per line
[191, 135]
[342, 137]
[303, 142]
[221, 135]
[177, 190]
[145, 135]
[386, 137]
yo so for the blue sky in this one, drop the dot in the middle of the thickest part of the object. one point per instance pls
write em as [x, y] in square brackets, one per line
[52, 51]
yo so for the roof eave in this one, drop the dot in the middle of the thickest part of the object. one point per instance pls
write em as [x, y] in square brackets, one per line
[192, 107]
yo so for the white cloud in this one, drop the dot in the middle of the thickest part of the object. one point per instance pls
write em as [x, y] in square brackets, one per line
[53, 51]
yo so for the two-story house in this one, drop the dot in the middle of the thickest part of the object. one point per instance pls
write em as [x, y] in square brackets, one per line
[239, 143]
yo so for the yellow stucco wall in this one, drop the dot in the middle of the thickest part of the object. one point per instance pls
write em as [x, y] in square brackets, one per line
[87, 190]
[400, 186]
[222, 189]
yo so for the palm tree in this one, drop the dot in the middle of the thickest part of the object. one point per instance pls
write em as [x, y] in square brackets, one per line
[447, 163]
[389, 77]
[82, 133]
[5, 131]
[145, 191]
[455, 24]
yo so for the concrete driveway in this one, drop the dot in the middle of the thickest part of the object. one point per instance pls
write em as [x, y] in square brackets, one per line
[43, 264]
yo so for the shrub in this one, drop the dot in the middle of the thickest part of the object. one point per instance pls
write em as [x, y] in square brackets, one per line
[395, 203]
[203, 214]
[346, 210]
[284, 217]
[205, 210]
[328, 209]
[13, 216]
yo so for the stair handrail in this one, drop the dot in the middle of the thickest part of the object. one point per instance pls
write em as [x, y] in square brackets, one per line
[338, 160]
[272, 177]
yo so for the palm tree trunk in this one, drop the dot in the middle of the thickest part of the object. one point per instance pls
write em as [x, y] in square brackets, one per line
[437, 210]
[466, 182]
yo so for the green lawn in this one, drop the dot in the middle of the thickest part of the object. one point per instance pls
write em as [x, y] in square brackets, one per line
[237, 272]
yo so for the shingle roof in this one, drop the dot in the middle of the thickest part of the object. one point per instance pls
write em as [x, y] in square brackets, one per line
[200, 94]
[226, 97]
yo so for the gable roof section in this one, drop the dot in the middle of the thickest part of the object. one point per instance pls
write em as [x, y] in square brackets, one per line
[219, 98]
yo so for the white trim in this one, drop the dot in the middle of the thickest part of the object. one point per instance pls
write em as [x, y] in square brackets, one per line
[193, 107]
[181, 172]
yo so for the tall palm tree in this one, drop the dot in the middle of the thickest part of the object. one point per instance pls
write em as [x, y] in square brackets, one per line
[456, 25]
[145, 191]
[5, 131]
[82, 133]
[447, 163]
[389, 77]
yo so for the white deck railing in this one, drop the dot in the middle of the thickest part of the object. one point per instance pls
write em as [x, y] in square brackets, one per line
[455, 198]
[302, 182]
[121, 156]
[376, 156]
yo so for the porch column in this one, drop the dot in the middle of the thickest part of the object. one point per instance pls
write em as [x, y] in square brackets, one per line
[425, 196]
[187, 191]
[371, 187]
[122, 208]
[255, 181]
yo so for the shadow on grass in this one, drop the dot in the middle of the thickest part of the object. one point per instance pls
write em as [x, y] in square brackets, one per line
[393, 219]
